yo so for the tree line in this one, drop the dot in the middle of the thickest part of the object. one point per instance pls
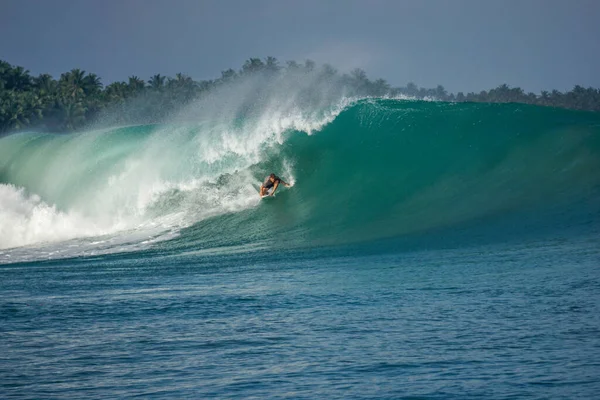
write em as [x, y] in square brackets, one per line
[77, 98]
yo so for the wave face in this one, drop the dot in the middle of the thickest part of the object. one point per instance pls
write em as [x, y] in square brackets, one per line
[361, 170]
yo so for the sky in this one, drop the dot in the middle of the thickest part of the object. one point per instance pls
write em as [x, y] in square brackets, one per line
[465, 45]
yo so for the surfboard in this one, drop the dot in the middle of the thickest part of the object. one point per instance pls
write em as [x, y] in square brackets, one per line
[267, 195]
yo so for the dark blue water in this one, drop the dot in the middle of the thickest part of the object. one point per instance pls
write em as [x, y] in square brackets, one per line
[486, 321]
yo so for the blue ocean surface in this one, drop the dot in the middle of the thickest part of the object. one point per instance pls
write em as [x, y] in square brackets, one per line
[518, 321]
[424, 250]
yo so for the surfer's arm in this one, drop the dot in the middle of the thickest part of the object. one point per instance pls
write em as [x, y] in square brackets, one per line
[275, 188]
[285, 184]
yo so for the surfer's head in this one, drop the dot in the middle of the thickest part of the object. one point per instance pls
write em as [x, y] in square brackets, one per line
[272, 177]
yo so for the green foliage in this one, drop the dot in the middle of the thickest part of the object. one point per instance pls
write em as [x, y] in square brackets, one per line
[77, 97]
[157, 82]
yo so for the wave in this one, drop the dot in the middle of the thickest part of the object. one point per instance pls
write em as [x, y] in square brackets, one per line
[363, 170]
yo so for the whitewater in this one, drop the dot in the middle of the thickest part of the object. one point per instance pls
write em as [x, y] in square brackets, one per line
[153, 178]
[425, 248]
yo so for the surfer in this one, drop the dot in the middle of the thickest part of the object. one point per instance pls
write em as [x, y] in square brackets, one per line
[272, 181]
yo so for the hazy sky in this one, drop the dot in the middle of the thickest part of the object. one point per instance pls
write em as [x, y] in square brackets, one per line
[465, 45]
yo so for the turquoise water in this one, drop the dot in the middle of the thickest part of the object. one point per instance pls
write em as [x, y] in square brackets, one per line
[425, 250]
[492, 321]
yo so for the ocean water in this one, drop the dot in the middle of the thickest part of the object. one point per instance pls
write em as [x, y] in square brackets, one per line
[424, 250]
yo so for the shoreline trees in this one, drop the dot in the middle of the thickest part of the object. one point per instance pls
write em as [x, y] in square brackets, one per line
[78, 97]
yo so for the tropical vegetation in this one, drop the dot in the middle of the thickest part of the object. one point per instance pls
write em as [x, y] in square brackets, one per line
[76, 98]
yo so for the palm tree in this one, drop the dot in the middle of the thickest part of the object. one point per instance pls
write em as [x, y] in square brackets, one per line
[19, 79]
[181, 82]
[185, 80]
[359, 81]
[14, 78]
[272, 65]
[412, 89]
[72, 83]
[252, 66]
[19, 109]
[4, 70]
[92, 84]
[45, 84]
[116, 92]
[71, 113]
[441, 93]
[183, 88]
[228, 75]
[136, 84]
[157, 82]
